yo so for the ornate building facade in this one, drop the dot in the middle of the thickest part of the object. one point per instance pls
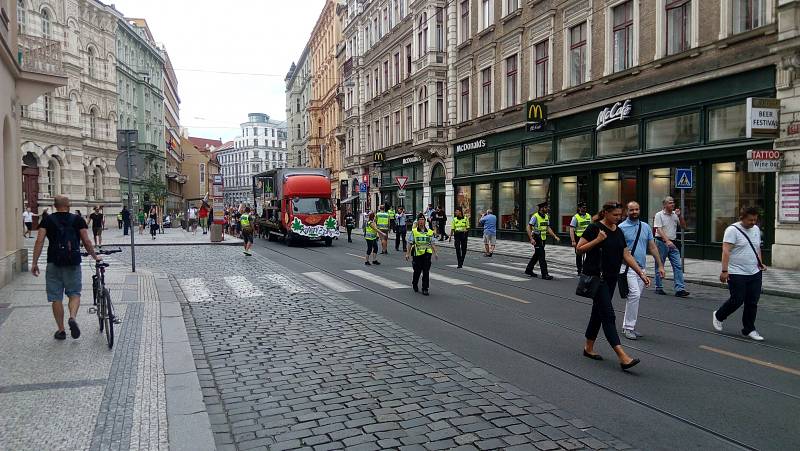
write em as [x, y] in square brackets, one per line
[298, 96]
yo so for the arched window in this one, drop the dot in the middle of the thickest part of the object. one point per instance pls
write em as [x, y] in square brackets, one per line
[53, 178]
[93, 123]
[46, 24]
[438, 171]
[98, 183]
[422, 108]
[422, 36]
[91, 61]
[21, 17]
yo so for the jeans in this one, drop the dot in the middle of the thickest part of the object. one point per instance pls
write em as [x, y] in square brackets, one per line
[400, 234]
[579, 258]
[538, 256]
[422, 265]
[441, 225]
[603, 313]
[635, 288]
[461, 246]
[744, 289]
[675, 260]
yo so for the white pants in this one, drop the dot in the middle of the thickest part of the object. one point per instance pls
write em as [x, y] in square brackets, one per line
[635, 287]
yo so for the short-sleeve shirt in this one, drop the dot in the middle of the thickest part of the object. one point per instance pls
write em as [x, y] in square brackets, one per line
[743, 260]
[51, 225]
[606, 258]
[349, 220]
[400, 219]
[630, 228]
[97, 220]
[192, 213]
[533, 222]
[27, 216]
[667, 222]
[489, 224]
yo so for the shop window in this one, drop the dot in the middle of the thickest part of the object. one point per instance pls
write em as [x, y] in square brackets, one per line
[619, 186]
[484, 162]
[438, 172]
[483, 199]
[464, 165]
[386, 178]
[395, 173]
[662, 184]
[618, 140]
[539, 153]
[732, 188]
[509, 158]
[464, 199]
[508, 211]
[728, 122]
[575, 147]
[571, 190]
[673, 131]
[748, 14]
[418, 207]
[536, 192]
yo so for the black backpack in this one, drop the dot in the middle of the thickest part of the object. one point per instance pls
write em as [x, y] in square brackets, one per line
[67, 243]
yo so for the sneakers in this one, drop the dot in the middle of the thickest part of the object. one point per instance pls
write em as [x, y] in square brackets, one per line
[715, 322]
[682, 294]
[629, 334]
[660, 291]
[368, 263]
[60, 335]
[547, 277]
[74, 330]
[754, 335]
[376, 262]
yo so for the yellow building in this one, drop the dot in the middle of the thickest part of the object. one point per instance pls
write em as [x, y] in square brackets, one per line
[200, 165]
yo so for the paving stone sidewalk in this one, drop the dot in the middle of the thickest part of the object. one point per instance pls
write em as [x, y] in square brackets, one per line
[78, 394]
[286, 364]
[170, 237]
[778, 282]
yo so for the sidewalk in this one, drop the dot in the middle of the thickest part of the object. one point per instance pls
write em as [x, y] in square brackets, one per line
[78, 394]
[170, 237]
[777, 282]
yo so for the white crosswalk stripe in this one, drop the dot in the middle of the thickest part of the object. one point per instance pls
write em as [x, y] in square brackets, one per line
[195, 290]
[516, 266]
[242, 287]
[439, 277]
[496, 274]
[388, 283]
[330, 282]
[283, 282]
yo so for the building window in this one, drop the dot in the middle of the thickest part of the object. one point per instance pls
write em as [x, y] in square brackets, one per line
[484, 162]
[618, 140]
[508, 205]
[422, 36]
[748, 14]
[486, 14]
[509, 158]
[439, 103]
[483, 198]
[679, 19]
[46, 32]
[673, 131]
[538, 153]
[464, 165]
[99, 192]
[439, 30]
[385, 75]
[464, 199]
[486, 91]
[298, 105]
[733, 187]
[511, 81]
[577, 54]
[571, 191]
[91, 57]
[48, 113]
[409, 122]
[542, 58]
[422, 108]
[21, 17]
[369, 87]
[397, 68]
[387, 138]
[408, 61]
[728, 122]
[617, 185]
[465, 99]
[376, 80]
[93, 123]
[53, 178]
[464, 22]
[623, 36]
[661, 185]
[397, 135]
[510, 6]
[536, 192]
[577, 147]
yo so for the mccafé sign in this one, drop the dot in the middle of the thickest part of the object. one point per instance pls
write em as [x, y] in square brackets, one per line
[618, 112]
[536, 115]
[477, 144]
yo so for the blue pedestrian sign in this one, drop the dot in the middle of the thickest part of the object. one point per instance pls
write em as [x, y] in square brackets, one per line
[684, 178]
[362, 187]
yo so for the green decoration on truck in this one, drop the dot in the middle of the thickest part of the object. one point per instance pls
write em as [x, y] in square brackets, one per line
[329, 230]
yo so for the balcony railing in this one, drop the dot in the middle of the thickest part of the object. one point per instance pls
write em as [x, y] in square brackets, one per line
[430, 134]
[428, 59]
[40, 55]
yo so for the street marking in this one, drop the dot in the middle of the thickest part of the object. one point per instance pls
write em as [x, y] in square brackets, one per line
[500, 294]
[283, 282]
[491, 273]
[390, 284]
[774, 366]
[354, 255]
[330, 282]
[439, 277]
[195, 290]
[242, 287]
[555, 273]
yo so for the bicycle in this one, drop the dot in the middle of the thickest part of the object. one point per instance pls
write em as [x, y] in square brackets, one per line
[101, 297]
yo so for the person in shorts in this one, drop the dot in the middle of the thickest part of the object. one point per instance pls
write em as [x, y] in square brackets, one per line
[27, 219]
[96, 218]
[64, 232]
[489, 223]
[246, 221]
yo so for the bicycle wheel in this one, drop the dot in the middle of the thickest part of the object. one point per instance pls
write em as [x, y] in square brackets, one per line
[108, 318]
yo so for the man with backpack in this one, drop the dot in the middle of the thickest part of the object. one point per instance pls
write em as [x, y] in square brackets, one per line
[246, 220]
[64, 231]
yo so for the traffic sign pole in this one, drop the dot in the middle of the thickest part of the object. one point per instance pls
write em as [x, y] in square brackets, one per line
[128, 142]
[684, 179]
[683, 233]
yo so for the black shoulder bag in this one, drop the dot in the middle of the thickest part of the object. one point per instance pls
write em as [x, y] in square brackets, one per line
[622, 282]
[751, 247]
[587, 284]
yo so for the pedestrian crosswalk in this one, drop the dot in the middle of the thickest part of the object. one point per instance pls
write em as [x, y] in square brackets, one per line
[331, 282]
[496, 274]
[439, 277]
[520, 266]
[376, 279]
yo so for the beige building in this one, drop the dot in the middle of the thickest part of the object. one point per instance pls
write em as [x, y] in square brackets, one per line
[176, 177]
[200, 165]
[24, 76]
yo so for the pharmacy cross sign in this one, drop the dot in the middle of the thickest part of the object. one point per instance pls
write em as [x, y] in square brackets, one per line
[401, 181]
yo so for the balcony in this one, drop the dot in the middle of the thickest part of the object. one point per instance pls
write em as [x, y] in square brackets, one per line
[427, 60]
[351, 113]
[347, 69]
[431, 134]
[41, 66]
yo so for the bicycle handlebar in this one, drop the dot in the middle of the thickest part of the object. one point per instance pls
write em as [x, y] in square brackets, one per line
[102, 252]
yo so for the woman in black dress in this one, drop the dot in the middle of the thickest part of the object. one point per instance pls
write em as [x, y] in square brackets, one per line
[604, 245]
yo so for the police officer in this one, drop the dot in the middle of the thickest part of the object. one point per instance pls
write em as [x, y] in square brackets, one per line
[350, 224]
[371, 234]
[538, 228]
[392, 215]
[577, 226]
[422, 248]
[400, 229]
[382, 221]
[460, 230]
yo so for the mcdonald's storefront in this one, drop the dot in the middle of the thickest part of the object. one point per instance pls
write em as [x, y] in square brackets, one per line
[627, 150]
[411, 167]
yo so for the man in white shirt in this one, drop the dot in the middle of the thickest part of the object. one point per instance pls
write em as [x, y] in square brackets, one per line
[27, 218]
[191, 215]
[742, 269]
[666, 224]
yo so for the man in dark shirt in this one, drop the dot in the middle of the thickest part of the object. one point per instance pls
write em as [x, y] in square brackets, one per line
[97, 221]
[441, 222]
[62, 279]
[350, 224]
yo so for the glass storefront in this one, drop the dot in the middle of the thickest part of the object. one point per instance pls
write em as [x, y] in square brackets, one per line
[619, 186]
[508, 205]
[464, 165]
[483, 200]
[618, 140]
[484, 162]
[536, 192]
[575, 147]
[539, 153]
[673, 131]
[571, 190]
[732, 188]
[662, 184]
[509, 158]
[464, 199]
[727, 122]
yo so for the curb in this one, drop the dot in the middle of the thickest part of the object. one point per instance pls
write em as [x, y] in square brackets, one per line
[222, 243]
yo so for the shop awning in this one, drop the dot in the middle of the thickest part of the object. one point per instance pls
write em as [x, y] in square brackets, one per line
[349, 199]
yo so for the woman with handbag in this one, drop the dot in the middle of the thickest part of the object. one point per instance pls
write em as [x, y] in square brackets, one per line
[604, 245]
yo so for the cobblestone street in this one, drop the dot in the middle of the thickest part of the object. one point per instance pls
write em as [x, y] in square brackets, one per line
[285, 364]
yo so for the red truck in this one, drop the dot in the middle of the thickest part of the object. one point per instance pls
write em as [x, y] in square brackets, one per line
[296, 205]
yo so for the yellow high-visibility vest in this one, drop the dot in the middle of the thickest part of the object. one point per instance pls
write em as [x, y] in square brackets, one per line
[422, 242]
[582, 222]
[460, 225]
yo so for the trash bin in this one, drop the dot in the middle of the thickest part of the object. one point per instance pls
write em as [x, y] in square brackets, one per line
[216, 233]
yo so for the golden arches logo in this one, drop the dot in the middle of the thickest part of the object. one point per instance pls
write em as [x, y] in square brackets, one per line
[536, 112]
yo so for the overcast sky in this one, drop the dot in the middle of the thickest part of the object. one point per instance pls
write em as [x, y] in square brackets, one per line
[243, 36]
